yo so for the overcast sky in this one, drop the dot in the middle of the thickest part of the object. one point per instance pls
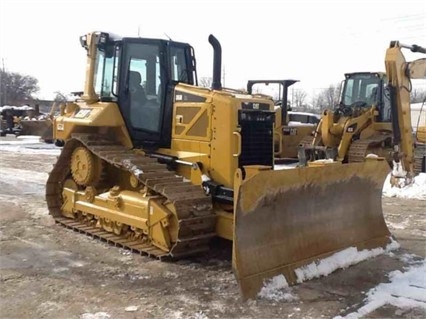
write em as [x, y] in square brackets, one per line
[315, 42]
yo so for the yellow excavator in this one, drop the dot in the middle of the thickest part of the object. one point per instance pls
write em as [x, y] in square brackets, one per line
[373, 117]
[153, 163]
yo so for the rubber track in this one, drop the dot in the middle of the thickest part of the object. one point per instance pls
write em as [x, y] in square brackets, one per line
[196, 218]
[358, 148]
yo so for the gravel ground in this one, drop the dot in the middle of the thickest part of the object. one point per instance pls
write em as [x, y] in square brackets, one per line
[47, 271]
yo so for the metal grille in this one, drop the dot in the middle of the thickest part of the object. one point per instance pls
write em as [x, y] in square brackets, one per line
[257, 137]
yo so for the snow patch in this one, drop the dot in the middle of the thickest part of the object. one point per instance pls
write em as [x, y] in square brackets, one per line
[342, 259]
[13, 107]
[278, 167]
[405, 290]
[131, 308]
[326, 160]
[97, 315]
[371, 155]
[416, 190]
[200, 315]
[277, 289]
[29, 148]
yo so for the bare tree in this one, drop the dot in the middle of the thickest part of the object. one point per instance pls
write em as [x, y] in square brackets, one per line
[332, 95]
[16, 88]
[206, 82]
[327, 98]
[299, 98]
[318, 102]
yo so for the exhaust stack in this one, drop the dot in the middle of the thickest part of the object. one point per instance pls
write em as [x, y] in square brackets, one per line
[217, 63]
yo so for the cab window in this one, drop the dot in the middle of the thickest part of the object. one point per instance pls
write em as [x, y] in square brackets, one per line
[144, 83]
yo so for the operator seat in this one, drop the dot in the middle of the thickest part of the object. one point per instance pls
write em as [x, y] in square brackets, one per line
[144, 113]
[137, 92]
[373, 98]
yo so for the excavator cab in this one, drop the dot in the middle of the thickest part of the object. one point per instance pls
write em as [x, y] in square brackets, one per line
[363, 90]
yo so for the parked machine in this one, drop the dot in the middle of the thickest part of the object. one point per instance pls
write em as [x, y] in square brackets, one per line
[156, 164]
[409, 153]
[39, 125]
[288, 134]
[373, 117]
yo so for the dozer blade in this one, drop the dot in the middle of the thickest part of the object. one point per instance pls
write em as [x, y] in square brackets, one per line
[42, 128]
[290, 218]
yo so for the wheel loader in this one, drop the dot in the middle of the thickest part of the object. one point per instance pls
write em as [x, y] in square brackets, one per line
[153, 163]
[373, 117]
[287, 136]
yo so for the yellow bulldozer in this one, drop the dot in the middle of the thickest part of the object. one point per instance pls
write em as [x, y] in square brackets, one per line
[373, 117]
[158, 165]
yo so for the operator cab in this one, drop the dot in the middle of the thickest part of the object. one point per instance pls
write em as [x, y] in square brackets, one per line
[140, 75]
[361, 91]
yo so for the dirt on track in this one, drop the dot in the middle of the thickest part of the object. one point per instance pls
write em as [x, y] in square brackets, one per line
[47, 271]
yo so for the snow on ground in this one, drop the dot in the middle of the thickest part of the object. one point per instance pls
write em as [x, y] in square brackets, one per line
[28, 144]
[417, 190]
[342, 259]
[19, 176]
[277, 288]
[97, 315]
[405, 290]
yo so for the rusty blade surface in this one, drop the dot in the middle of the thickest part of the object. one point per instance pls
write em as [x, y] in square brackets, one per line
[290, 218]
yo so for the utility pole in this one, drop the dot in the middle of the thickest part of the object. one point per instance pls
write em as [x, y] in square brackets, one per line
[2, 84]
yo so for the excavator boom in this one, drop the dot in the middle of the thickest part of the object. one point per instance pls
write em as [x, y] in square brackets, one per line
[400, 73]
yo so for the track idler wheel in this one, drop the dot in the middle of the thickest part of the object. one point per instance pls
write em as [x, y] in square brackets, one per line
[86, 168]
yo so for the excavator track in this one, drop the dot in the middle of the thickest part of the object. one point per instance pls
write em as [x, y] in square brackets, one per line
[196, 218]
[359, 148]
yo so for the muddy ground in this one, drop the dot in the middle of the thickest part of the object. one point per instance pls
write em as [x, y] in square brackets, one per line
[47, 271]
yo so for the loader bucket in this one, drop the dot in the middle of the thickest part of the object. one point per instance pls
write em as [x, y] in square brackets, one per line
[42, 128]
[290, 218]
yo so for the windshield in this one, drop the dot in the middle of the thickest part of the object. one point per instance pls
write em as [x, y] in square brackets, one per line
[361, 89]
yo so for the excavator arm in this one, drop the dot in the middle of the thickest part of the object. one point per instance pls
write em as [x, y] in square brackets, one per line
[400, 73]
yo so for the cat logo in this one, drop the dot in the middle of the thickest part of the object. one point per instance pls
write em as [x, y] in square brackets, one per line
[289, 131]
